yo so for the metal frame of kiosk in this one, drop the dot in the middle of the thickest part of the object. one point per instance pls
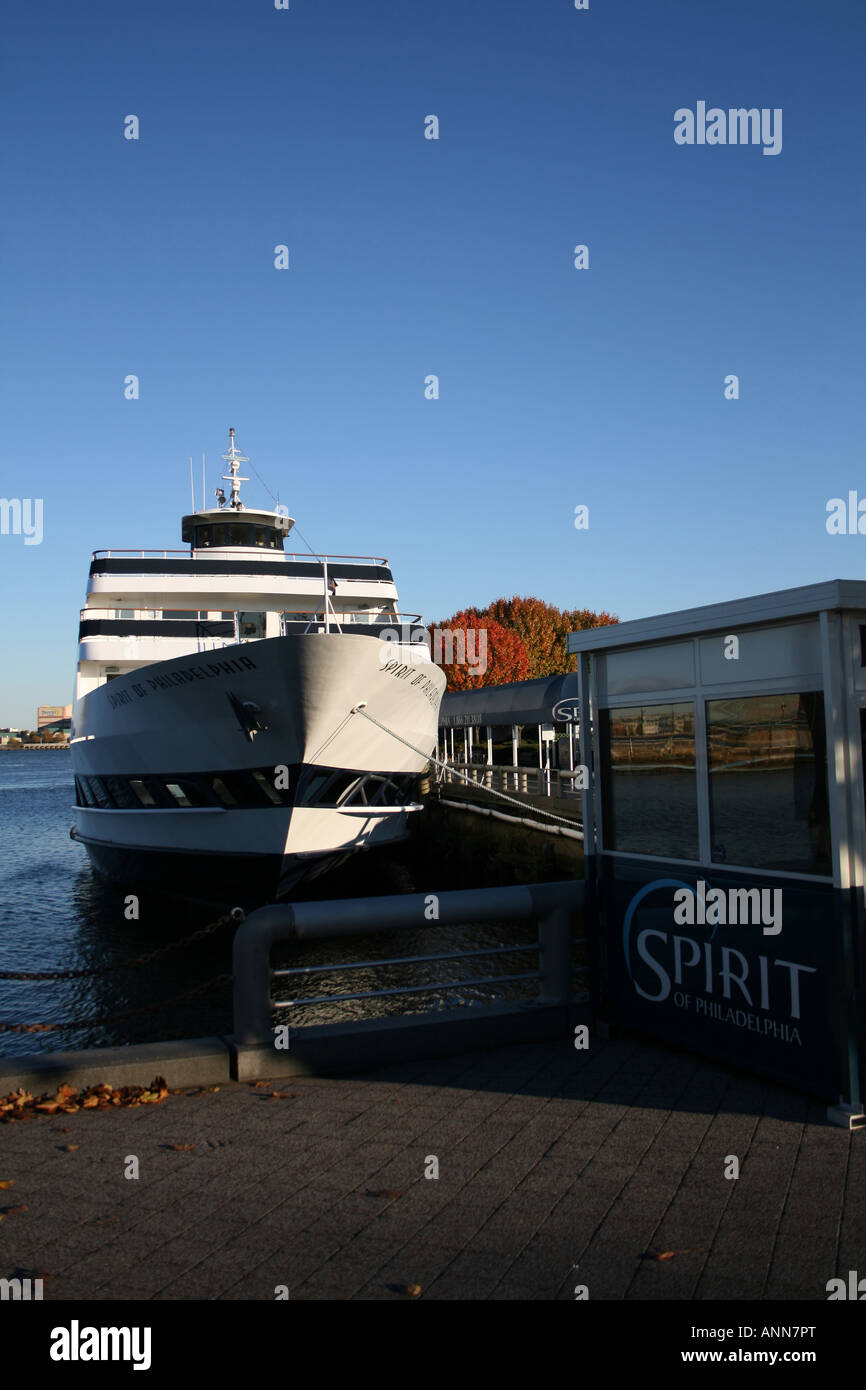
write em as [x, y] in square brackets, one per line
[725, 835]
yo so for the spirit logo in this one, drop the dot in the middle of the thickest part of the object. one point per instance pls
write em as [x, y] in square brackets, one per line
[661, 962]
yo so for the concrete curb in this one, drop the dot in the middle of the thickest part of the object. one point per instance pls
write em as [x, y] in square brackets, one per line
[327, 1050]
[184, 1062]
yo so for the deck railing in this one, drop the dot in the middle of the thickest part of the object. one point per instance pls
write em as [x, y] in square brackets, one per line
[530, 781]
[258, 550]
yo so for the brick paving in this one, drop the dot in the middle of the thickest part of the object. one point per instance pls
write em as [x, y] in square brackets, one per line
[556, 1168]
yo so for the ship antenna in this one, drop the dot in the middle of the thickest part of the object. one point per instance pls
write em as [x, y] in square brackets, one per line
[233, 458]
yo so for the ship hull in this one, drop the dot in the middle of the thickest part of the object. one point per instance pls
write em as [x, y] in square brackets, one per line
[242, 772]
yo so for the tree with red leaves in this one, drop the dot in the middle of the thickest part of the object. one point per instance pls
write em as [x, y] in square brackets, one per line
[526, 638]
[473, 650]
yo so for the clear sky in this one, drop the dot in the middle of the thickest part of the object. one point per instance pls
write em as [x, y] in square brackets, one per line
[559, 387]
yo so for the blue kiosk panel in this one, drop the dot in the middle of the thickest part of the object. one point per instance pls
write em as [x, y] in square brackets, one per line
[725, 835]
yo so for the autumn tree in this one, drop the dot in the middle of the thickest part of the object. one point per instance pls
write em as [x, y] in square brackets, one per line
[539, 633]
[473, 650]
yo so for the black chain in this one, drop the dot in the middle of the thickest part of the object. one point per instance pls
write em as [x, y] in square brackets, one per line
[236, 915]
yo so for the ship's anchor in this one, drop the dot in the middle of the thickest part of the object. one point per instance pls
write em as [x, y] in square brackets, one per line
[248, 715]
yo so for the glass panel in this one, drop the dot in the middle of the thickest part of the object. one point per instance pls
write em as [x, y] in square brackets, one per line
[173, 613]
[83, 794]
[648, 780]
[142, 792]
[99, 793]
[177, 791]
[222, 792]
[202, 536]
[252, 624]
[768, 782]
[312, 785]
[121, 794]
[238, 533]
[268, 788]
[228, 617]
[219, 533]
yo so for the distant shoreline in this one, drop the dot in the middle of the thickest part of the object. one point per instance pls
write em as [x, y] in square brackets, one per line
[33, 747]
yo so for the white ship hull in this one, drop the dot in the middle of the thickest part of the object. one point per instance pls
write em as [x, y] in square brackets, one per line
[247, 812]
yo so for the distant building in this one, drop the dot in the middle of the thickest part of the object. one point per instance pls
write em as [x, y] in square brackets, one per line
[50, 714]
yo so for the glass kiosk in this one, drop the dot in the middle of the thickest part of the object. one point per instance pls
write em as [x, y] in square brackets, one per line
[724, 831]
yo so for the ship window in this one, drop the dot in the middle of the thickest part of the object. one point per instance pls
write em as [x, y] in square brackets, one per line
[202, 536]
[126, 612]
[142, 792]
[313, 784]
[121, 794]
[252, 625]
[173, 613]
[268, 788]
[222, 792]
[187, 793]
[83, 796]
[239, 534]
[99, 793]
[219, 533]
[228, 617]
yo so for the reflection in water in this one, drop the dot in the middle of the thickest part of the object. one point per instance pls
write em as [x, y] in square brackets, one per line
[56, 913]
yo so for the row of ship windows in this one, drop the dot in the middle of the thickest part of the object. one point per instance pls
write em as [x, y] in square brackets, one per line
[214, 615]
[256, 788]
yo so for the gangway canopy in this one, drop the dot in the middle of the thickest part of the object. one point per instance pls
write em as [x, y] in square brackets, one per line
[724, 826]
[520, 702]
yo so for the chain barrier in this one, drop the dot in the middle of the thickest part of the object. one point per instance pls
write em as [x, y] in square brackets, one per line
[236, 916]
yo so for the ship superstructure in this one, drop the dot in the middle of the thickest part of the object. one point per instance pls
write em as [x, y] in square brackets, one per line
[225, 701]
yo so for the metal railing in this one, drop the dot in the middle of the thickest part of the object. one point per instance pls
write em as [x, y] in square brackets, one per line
[288, 555]
[531, 781]
[550, 905]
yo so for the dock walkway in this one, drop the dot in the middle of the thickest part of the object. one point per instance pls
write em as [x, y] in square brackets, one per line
[557, 1168]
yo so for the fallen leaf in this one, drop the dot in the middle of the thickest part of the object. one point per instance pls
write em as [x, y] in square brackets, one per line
[50, 1106]
[8, 1182]
[282, 1095]
[669, 1254]
[413, 1290]
[181, 1148]
[70, 1148]
[91, 1103]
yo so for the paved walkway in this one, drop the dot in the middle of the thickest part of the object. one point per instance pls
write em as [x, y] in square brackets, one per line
[549, 1158]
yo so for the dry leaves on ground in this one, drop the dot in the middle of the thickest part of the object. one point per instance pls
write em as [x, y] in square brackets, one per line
[20, 1104]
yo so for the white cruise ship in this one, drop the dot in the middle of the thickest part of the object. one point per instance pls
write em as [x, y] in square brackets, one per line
[226, 738]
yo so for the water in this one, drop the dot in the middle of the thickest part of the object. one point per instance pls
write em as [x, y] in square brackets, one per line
[56, 913]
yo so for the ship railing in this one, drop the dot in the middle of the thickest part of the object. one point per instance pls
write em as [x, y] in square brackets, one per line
[530, 781]
[287, 555]
[338, 620]
[557, 980]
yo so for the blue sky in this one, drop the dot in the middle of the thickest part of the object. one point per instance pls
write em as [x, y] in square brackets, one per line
[410, 257]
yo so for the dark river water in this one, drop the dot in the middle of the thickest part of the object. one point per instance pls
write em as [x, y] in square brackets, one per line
[56, 913]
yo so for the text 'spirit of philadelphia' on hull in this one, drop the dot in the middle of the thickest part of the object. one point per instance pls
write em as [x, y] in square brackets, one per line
[224, 742]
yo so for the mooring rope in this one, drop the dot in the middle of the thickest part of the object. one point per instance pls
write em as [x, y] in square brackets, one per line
[359, 709]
